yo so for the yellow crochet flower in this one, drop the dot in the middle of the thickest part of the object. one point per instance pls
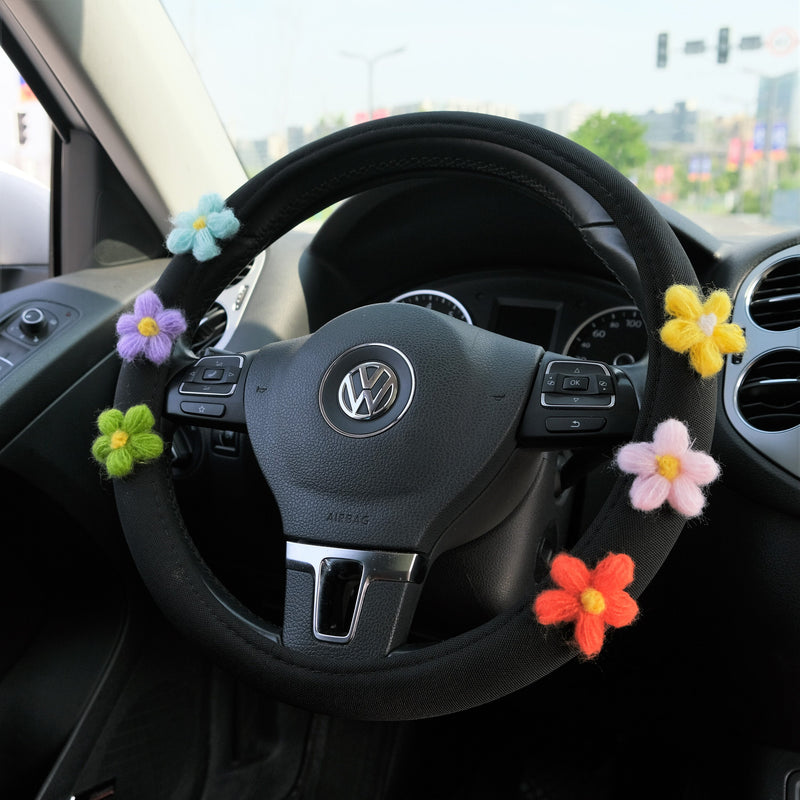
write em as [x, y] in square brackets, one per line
[701, 328]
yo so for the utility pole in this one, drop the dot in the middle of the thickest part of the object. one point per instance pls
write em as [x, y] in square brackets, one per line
[370, 62]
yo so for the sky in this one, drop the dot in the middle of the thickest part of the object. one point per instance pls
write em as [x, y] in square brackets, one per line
[274, 63]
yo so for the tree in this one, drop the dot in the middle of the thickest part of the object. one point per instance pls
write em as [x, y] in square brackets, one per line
[617, 138]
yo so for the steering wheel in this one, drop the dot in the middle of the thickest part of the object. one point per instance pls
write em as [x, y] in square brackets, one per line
[393, 435]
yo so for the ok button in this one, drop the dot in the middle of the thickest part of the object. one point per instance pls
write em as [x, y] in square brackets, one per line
[575, 383]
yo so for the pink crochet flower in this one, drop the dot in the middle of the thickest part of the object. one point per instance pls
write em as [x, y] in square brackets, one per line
[667, 469]
[150, 331]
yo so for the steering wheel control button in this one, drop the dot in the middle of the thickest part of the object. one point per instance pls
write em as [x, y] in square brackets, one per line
[216, 369]
[574, 424]
[604, 385]
[203, 409]
[578, 403]
[569, 384]
[575, 383]
[208, 390]
[366, 390]
[213, 374]
[213, 389]
[576, 400]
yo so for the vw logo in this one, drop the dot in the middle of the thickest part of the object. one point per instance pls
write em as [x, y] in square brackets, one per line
[368, 391]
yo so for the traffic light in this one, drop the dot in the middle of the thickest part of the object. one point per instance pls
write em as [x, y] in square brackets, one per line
[661, 51]
[750, 43]
[694, 47]
[22, 127]
[722, 45]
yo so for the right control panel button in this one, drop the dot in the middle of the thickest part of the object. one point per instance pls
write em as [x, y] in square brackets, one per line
[574, 424]
[568, 384]
[576, 403]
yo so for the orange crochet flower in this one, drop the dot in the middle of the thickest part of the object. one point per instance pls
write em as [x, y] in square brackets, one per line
[591, 599]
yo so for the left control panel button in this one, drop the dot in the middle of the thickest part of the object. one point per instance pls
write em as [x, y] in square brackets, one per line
[210, 392]
[28, 328]
[203, 409]
[33, 322]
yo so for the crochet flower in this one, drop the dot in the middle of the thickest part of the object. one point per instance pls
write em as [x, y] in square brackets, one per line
[201, 229]
[126, 439]
[592, 599]
[667, 469]
[150, 331]
[700, 328]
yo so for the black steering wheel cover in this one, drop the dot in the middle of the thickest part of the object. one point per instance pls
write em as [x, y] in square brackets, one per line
[512, 650]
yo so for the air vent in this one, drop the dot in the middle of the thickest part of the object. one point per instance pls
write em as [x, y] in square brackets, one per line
[775, 304]
[769, 394]
[210, 329]
[241, 275]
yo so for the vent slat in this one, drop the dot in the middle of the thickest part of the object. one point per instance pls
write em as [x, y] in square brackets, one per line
[779, 322]
[773, 422]
[210, 329]
[769, 395]
[775, 304]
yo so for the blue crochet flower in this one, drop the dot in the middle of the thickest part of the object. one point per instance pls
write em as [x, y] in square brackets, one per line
[201, 229]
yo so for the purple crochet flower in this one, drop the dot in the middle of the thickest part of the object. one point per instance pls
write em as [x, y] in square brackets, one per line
[150, 331]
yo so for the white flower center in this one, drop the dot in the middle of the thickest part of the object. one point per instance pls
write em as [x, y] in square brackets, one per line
[707, 323]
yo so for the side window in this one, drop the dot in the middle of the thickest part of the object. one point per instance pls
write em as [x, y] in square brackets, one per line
[25, 155]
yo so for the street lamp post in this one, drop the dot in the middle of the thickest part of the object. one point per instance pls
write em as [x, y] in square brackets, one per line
[768, 85]
[370, 61]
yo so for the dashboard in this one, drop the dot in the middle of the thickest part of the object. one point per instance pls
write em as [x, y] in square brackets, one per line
[484, 254]
[519, 308]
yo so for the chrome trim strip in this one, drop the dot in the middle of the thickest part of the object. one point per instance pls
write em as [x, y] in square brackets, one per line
[781, 447]
[377, 565]
[436, 293]
[235, 298]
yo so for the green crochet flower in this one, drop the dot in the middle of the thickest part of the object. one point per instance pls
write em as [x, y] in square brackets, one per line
[126, 439]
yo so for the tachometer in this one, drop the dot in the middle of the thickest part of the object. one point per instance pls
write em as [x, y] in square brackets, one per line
[616, 336]
[437, 301]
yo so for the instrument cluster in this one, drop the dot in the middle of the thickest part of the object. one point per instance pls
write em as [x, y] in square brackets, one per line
[614, 333]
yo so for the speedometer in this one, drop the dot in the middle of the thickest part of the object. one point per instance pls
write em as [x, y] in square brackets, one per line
[436, 301]
[615, 336]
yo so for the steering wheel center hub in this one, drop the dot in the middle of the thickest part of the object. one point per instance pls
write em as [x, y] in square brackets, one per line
[366, 390]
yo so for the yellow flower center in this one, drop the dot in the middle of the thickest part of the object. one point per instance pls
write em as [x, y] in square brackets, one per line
[118, 439]
[707, 323]
[147, 326]
[592, 601]
[668, 466]
[199, 223]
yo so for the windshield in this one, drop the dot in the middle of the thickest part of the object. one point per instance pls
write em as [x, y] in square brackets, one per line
[696, 102]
